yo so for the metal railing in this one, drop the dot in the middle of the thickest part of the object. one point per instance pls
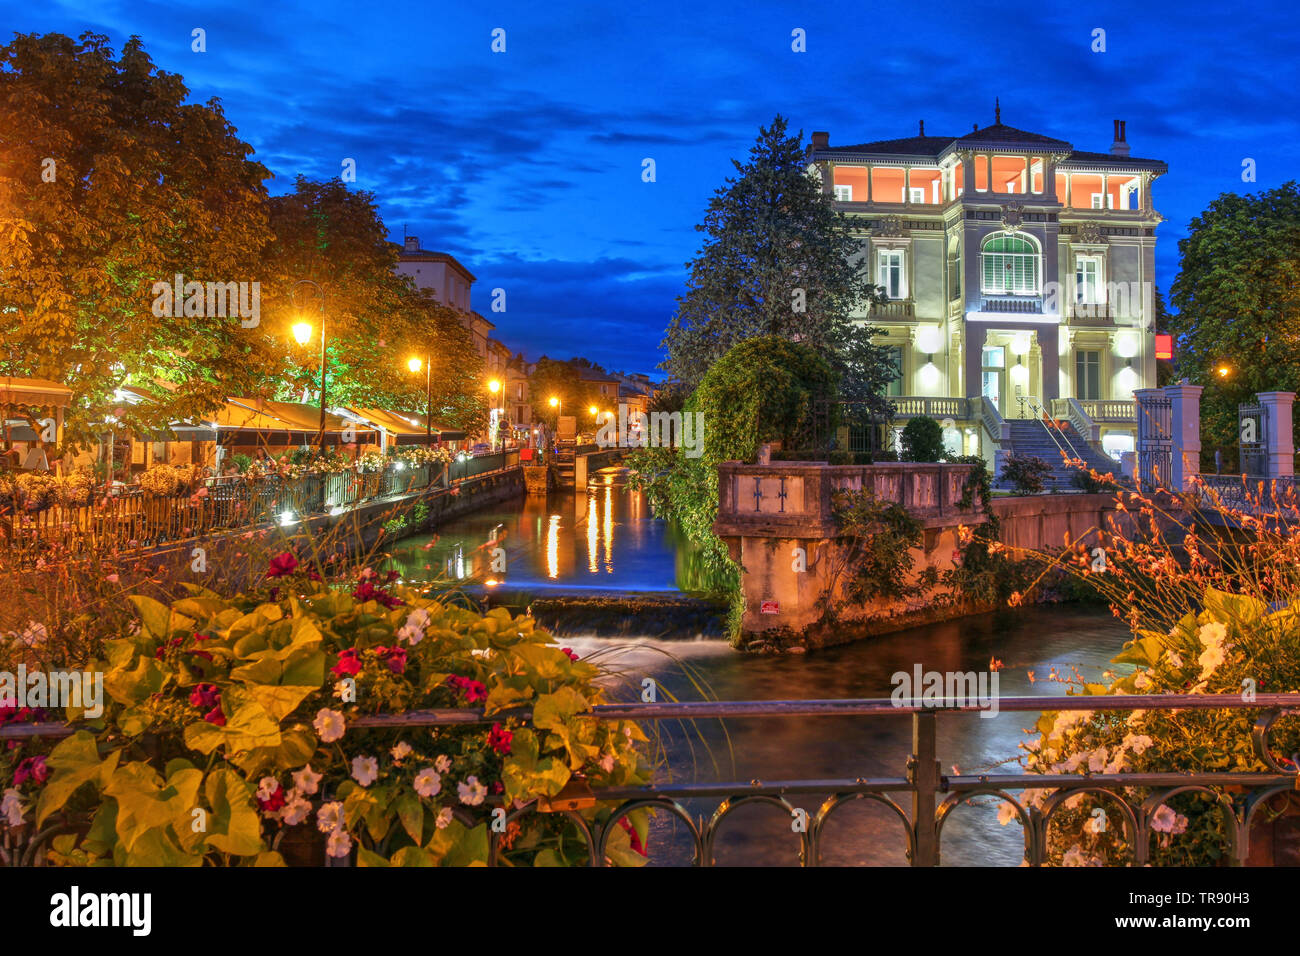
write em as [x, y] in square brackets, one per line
[931, 795]
[134, 519]
[1254, 495]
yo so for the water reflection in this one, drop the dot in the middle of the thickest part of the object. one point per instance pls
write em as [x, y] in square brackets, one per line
[601, 538]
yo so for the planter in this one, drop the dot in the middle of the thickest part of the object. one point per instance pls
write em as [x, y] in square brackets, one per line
[1275, 839]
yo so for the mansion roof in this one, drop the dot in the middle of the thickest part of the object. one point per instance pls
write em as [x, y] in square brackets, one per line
[999, 136]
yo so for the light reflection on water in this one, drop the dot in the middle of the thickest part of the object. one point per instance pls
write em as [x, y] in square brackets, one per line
[606, 539]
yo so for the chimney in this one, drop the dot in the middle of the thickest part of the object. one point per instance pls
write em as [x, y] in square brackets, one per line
[412, 244]
[821, 140]
[1120, 146]
[922, 133]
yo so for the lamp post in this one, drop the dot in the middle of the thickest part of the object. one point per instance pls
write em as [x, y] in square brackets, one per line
[494, 386]
[302, 332]
[414, 365]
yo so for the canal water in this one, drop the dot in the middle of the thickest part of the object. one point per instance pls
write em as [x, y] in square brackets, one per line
[607, 540]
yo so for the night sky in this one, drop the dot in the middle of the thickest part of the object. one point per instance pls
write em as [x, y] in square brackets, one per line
[526, 165]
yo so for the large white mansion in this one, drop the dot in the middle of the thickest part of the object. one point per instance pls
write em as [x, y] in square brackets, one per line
[1019, 273]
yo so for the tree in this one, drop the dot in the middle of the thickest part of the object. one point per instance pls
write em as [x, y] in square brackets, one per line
[1238, 301]
[778, 260]
[922, 440]
[553, 378]
[110, 182]
[376, 319]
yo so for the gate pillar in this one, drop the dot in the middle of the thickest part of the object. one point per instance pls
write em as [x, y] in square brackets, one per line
[1279, 437]
[1186, 433]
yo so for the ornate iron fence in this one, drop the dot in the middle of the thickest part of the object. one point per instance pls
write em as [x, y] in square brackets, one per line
[922, 799]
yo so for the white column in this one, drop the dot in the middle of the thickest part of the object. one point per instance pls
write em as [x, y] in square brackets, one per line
[1185, 428]
[1281, 444]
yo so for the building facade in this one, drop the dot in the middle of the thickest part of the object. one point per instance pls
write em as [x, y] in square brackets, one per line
[1019, 276]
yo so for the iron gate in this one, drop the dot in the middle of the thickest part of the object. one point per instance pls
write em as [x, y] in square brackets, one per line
[1155, 439]
[1252, 432]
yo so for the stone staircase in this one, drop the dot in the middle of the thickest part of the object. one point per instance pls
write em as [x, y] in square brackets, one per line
[1029, 436]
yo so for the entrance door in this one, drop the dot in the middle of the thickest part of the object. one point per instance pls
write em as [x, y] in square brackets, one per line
[993, 366]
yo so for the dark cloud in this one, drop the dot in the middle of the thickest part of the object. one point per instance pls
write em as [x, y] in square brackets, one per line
[526, 165]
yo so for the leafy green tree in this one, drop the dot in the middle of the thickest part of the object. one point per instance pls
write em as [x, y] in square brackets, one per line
[765, 389]
[778, 260]
[109, 182]
[562, 379]
[376, 320]
[1238, 301]
[922, 440]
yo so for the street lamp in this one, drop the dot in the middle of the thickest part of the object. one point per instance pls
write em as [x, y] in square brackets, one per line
[414, 365]
[494, 386]
[302, 333]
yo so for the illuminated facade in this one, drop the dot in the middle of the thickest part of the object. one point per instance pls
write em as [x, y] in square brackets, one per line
[1019, 273]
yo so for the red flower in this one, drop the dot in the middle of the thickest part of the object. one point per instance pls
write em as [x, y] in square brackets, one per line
[637, 845]
[33, 768]
[282, 564]
[205, 695]
[162, 648]
[274, 802]
[366, 591]
[569, 651]
[215, 716]
[395, 657]
[472, 689]
[499, 739]
[349, 663]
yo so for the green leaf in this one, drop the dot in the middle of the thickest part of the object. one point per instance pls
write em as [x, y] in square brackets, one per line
[74, 762]
[233, 824]
[411, 812]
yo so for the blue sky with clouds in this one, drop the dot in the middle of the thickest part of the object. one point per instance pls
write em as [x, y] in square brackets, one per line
[526, 165]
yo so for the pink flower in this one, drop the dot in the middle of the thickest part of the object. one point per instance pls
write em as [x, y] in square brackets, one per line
[32, 768]
[205, 695]
[569, 651]
[215, 716]
[273, 802]
[472, 689]
[394, 657]
[282, 564]
[499, 739]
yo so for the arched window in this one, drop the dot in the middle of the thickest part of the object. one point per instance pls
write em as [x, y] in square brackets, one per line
[1009, 265]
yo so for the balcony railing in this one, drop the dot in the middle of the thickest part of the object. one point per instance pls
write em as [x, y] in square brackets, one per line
[901, 310]
[913, 406]
[922, 798]
[1013, 306]
[1091, 312]
[1107, 410]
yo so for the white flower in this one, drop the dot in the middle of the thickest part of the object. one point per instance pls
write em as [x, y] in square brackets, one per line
[1210, 659]
[627, 732]
[1138, 743]
[1175, 658]
[413, 630]
[444, 818]
[365, 770]
[1097, 760]
[306, 781]
[266, 788]
[11, 807]
[401, 751]
[442, 764]
[330, 816]
[428, 782]
[1006, 812]
[1164, 820]
[296, 809]
[1074, 856]
[1142, 681]
[35, 634]
[329, 724]
[471, 791]
[607, 763]
[339, 843]
[1072, 762]
[1212, 634]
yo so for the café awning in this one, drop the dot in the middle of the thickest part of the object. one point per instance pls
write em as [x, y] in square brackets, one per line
[405, 428]
[34, 391]
[252, 420]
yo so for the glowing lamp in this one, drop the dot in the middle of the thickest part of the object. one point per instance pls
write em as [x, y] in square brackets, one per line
[302, 332]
